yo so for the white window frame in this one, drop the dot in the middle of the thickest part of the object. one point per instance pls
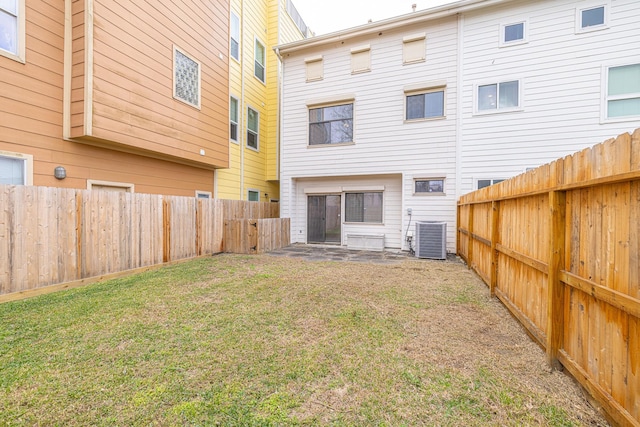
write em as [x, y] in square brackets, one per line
[257, 42]
[424, 88]
[605, 97]
[253, 190]
[525, 30]
[349, 99]
[198, 105]
[128, 187]
[498, 110]
[203, 194]
[493, 181]
[231, 35]
[237, 122]
[580, 29]
[19, 54]
[257, 147]
[430, 193]
[28, 164]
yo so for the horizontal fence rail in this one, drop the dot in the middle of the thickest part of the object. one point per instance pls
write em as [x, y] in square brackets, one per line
[51, 236]
[560, 247]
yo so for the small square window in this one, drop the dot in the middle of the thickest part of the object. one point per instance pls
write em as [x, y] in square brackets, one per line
[260, 56]
[427, 105]
[414, 48]
[253, 128]
[591, 19]
[186, 78]
[233, 119]
[499, 96]
[253, 195]
[513, 33]
[13, 171]
[315, 68]
[435, 185]
[361, 59]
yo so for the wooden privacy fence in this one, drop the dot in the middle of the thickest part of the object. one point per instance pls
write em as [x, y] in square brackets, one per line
[256, 236]
[560, 247]
[52, 236]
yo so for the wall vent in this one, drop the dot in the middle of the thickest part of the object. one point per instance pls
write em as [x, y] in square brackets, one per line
[431, 239]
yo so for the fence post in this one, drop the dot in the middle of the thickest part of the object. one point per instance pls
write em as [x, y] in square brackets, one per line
[495, 235]
[470, 238]
[555, 288]
[166, 230]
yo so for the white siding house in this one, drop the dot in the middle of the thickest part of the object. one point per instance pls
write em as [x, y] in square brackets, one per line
[374, 125]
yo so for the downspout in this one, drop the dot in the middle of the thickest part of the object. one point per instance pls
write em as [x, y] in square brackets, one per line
[280, 126]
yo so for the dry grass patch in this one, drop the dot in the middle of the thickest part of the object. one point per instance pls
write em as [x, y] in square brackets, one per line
[236, 340]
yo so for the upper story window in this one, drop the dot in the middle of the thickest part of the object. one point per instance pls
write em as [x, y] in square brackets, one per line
[498, 96]
[363, 207]
[253, 128]
[414, 48]
[426, 104]
[361, 59]
[15, 169]
[623, 91]
[591, 18]
[331, 124]
[186, 78]
[260, 55]
[234, 35]
[297, 19]
[233, 119]
[315, 68]
[513, 33]
[12, 29]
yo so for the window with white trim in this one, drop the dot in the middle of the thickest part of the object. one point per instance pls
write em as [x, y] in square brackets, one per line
[315, 68]
[428, 186]
[591, 18]
[234, 36]
[414, 48]
[120, 187]
[233, 119]
[260, 57]
[623, 91]
[14, 169]
[361, 59]
[331, 124]
[12, 28]
[253, 128]
[498, 96]
[428, 104]
[482, 183]
[253, 195]
[203, 194]
[186, 78]
[363, 207]
[513, 33]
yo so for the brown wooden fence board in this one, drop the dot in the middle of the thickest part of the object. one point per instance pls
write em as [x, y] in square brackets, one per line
[576, 288]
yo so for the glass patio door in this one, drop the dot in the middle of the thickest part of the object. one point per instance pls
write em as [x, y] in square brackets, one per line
[323, 219]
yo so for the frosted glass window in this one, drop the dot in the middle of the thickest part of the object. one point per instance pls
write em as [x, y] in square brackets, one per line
[12, 171]
[505, 95]
[235, 36]
[186, 79]
[9, 26]
[623, 91]
[426, 105]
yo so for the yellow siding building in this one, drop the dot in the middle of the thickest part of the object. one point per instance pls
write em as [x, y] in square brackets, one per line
[256, 26]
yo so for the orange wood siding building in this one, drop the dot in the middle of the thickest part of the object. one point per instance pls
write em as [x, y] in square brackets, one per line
[131, 93]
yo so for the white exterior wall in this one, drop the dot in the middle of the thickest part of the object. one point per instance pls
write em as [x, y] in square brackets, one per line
[562, 84]
[383, 143]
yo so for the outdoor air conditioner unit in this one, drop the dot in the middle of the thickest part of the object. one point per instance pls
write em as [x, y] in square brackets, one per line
[431, 239]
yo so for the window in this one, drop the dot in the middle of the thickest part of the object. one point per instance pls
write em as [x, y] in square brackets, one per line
[499, 96]
[233, 119]
[253, 195]
[413, 48]
[426, 105]
[430, 186]
[623, 91]
[331, 125]
[121, 187]
[592, 18]
[13, 169]
[234, 34]
[511, 34]
[487, 182]
[253, 126]
[315, 68]
[363, 207]
[186, 78]
[12, 29]
[203, 194]
[361, 59]
[259, 61]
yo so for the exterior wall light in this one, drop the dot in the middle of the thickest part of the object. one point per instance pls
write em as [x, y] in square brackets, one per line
[59, 172]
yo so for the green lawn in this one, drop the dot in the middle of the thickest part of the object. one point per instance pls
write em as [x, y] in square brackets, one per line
[260, 341]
